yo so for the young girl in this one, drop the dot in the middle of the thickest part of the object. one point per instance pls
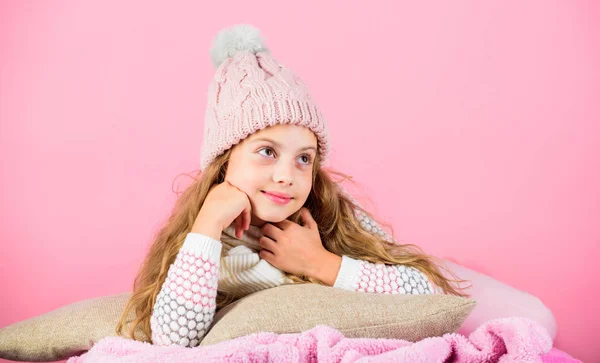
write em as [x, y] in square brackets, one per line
[262, 212]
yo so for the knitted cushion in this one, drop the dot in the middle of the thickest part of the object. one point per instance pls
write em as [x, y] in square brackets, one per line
[295, 308]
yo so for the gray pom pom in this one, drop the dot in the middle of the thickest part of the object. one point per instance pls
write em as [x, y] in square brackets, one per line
[232, 40]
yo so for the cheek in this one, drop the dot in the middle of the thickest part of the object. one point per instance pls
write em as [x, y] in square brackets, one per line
[248, 180]
[304, 187]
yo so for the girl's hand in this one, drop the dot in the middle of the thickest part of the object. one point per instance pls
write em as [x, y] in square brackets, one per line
[295, 249]
[223, 204]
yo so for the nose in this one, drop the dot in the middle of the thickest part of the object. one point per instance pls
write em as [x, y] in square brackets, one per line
[282, 173]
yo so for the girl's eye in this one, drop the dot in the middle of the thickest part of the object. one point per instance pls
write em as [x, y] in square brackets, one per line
[306, 159]
[270, 151]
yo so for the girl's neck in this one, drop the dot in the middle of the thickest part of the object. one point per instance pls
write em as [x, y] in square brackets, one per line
[256, 222]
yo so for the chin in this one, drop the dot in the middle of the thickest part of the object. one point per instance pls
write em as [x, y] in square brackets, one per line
[273, 215]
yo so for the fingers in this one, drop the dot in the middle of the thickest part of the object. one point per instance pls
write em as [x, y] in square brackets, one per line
[267, 255]
[239, 226]
[284, 224]
[267, 244]
[271, 231]
[247, 217]
[242, 223]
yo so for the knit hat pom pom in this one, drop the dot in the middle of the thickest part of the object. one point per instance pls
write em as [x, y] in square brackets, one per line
[235, 39]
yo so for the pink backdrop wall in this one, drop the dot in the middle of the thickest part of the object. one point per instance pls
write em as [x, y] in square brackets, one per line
[474, 128]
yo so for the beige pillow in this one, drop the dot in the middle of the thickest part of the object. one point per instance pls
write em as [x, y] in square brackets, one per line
[67, 331]
[295, 308]
[75, 328]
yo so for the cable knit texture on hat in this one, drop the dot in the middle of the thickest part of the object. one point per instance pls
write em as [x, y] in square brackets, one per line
[251, 91]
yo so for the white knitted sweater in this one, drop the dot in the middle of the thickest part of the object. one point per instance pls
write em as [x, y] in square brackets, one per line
[186, 303]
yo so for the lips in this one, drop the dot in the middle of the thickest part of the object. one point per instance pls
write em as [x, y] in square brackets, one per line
[278, 194]
[276, 197]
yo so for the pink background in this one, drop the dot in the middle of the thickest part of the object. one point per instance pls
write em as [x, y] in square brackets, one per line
[473, 127]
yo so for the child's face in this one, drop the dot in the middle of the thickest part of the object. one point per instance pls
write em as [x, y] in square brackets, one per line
[276, 159]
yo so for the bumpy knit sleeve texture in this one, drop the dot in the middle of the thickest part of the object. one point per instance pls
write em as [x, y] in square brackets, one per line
[364, 276]
[186, 303]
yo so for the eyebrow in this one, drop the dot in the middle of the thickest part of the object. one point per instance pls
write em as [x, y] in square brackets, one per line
[279, 145]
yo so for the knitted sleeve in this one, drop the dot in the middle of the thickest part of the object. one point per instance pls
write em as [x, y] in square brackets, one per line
[185, 305]
[364, 276]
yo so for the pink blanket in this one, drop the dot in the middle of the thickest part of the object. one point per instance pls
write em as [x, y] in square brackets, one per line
[500, 340]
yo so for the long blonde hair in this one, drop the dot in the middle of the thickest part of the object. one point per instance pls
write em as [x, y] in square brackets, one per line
[332, 209]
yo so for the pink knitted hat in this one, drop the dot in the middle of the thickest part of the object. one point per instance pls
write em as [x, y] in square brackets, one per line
[251, 91]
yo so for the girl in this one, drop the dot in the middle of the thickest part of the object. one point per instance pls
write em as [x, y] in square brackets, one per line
[262, 212]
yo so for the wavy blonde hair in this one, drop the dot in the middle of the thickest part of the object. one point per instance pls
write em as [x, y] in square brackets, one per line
[339, 229]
